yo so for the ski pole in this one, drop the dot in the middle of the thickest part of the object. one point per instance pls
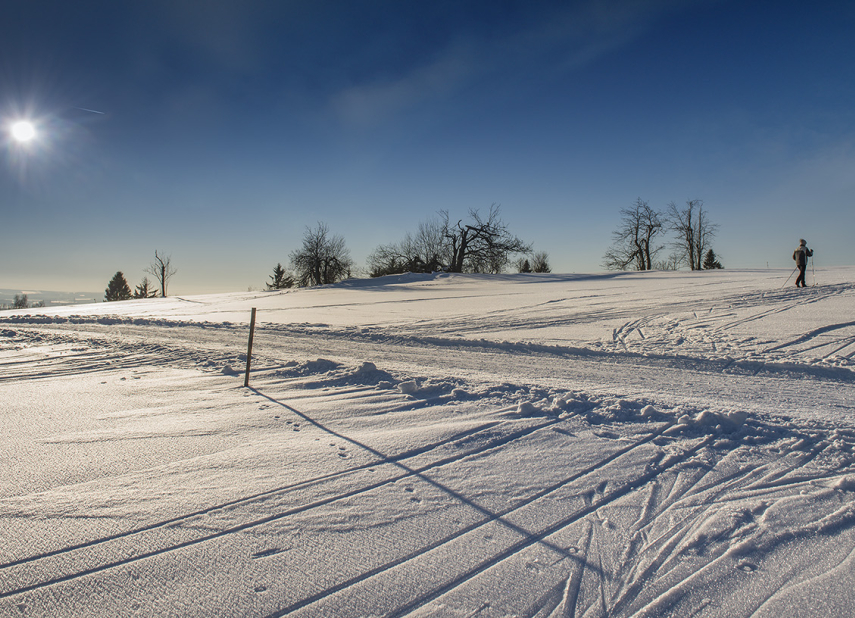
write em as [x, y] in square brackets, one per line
[788, 278]
[813, 270]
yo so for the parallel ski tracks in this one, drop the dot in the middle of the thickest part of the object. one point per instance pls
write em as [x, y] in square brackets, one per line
[65, 556]
[528, 538]
[176, 522]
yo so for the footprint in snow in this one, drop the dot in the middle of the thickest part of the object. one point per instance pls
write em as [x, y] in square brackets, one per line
[266, 553]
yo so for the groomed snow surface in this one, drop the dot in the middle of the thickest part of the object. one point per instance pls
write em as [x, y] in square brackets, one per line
[647, 444]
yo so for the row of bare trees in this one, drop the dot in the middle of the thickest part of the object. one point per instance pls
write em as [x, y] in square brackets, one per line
[480, 244]
[636, 242]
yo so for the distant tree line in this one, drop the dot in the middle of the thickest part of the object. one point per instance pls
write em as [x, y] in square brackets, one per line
[638, 239]
[22, 302]
[479, 244]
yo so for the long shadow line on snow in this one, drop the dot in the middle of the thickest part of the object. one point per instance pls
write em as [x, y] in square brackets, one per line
[528, 537]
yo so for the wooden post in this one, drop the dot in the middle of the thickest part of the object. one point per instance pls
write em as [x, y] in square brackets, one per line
[249, 347]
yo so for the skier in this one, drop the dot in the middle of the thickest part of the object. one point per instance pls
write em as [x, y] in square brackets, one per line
[801, 256]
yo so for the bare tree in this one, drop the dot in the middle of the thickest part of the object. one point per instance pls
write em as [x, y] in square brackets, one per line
[540, 262]
[323, 258]
[635, 239]
[422, 252]
[162, 270]
[672, 262]
[397, 258]
[21, 302]
[694, 232]
[485, 246]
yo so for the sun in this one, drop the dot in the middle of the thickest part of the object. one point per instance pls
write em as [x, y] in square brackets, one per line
[23, 131]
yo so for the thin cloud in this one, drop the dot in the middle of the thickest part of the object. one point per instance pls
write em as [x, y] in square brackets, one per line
[555, 43]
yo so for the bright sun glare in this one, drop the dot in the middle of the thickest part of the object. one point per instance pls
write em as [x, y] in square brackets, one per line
[23, 131]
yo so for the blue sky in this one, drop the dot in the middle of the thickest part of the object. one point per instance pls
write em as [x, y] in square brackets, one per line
[228, 127]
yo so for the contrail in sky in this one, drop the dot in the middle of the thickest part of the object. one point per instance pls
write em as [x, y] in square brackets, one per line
[94, 111]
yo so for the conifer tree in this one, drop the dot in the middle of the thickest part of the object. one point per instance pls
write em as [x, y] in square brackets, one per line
[118, 288]
[280, 279]
[145, 289]
[711, 261]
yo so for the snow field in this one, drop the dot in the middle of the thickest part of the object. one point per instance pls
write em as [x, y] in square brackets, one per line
[599, 450]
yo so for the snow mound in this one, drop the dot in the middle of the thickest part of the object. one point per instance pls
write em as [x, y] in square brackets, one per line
[846, 483]
[409, 387]
[709, 421]
[527, 408]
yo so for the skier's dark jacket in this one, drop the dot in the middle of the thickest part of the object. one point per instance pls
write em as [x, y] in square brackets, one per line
[801, 254]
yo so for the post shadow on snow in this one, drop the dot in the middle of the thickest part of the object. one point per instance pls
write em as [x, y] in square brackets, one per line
[392, 461]
[529, 537]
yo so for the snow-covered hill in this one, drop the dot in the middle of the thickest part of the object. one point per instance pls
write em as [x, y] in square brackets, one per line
[648, 444]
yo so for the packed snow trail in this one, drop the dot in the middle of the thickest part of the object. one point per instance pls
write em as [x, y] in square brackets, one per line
[654, 461]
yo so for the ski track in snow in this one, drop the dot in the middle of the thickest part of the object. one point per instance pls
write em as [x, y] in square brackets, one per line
[668, 467]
